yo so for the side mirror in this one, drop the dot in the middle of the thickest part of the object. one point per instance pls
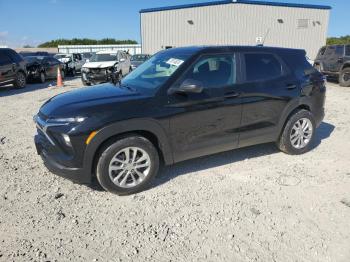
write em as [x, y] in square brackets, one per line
[87, 60]
[187, 87]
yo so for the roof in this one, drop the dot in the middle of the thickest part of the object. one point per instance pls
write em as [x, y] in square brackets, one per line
[248, 2]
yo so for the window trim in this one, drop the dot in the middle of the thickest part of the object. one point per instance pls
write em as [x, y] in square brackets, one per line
[285, 70]
[234, 54]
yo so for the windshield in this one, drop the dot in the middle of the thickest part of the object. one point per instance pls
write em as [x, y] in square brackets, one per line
[104, 57]
[139, 57]
[155, 71]
[31, 59]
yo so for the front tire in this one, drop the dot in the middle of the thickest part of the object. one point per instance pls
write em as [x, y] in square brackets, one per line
[73, 71]
[298, 133]
[42, 77]
[344, 77]
[20, 81]
[127, 165]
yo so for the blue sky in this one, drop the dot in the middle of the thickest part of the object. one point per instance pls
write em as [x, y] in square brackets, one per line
[36, 21]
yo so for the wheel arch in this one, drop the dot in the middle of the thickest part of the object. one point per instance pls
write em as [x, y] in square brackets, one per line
[290, 110]
[149, 129]
[346, 65]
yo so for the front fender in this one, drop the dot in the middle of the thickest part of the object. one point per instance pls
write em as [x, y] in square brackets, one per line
[121, 127]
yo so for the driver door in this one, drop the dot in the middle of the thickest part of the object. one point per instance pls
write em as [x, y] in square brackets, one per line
[207, 122]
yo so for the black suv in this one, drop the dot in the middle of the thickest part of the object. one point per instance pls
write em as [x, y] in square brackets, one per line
[12, 68]
[334, 61]
[180, 104]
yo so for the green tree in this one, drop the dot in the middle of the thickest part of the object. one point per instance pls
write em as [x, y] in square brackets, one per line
[343, 40]
[86, 41]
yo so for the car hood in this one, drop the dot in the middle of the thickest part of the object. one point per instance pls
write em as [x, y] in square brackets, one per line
[100, 64]
[74, 102]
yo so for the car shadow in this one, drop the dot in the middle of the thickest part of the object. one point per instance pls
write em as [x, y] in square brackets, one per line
[10, 90]
[167, 173]
[195, 165]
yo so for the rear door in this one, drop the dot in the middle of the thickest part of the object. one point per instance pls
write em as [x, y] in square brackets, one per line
[333, 58]
[337, 59]
[266, 88]
[7, 68]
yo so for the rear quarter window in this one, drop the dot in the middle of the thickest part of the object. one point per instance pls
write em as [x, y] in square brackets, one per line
[262, 66]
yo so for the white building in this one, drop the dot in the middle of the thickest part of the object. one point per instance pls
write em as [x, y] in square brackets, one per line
[235, 22]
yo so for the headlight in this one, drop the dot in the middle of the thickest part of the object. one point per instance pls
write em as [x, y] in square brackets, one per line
[66, 120]
[85, 69]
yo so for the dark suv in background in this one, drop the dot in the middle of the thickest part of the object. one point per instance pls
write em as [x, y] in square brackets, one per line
[12, 68]
[334, 61]
[180, 104]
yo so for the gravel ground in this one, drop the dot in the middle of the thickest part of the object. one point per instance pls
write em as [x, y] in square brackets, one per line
[251, 204]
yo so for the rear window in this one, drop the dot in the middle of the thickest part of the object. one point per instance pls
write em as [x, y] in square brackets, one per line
[347, 50]
[262, 66]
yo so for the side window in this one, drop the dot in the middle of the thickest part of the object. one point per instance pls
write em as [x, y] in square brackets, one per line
[339, 50]
[260, 66]
[4, 59]
[213, 71]
[330, 50]
[347, 50]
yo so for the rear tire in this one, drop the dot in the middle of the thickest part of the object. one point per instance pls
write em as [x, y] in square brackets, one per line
[344, 77]
[128, 165]
[20, 81]
[298, 133]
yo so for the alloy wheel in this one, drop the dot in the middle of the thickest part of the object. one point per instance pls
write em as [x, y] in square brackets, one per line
[129, 167]
[301, 133]
[21, 80]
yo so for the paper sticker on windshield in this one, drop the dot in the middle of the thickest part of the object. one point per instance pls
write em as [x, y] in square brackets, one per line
[174, 61]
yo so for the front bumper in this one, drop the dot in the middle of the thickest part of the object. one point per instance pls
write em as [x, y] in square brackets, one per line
[98, 76]
[77, 175]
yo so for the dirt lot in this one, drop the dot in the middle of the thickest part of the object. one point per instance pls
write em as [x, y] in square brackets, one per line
[252, 204]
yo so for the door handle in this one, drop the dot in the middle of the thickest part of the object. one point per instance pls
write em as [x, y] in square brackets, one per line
[291, 86]
[231, 95]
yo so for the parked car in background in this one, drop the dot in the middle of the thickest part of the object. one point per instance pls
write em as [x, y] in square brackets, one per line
[87, 55]
[39, 53]
[41, 68]
[72, 62]
[137, 60]
[106, 66]
[12, 68]
[180, 104]
[334, 61]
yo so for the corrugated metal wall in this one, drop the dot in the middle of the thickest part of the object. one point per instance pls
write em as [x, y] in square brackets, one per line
[133, 49]
[234, 24]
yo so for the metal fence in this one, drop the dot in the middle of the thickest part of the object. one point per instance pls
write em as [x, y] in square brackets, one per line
[67, 49]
